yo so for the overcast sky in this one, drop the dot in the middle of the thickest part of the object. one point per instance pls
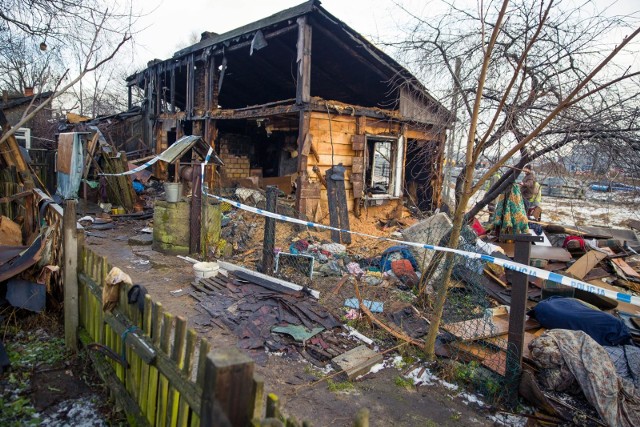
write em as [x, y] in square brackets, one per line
[172, 22]
[170, 25]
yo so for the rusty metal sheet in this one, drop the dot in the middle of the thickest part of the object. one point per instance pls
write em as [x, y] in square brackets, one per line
[7, 253]
[25, 260]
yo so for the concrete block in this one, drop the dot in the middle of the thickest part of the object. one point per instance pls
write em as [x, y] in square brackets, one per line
[357, 361]
[171, 227]
[141, 240]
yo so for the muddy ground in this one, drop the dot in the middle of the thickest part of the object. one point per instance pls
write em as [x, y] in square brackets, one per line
[391, 399]
[46, 384]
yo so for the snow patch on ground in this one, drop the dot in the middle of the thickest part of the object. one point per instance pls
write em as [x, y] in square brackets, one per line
[377, 368]
[508, 420]
[471, 398]
[74, 413]
[426, 377]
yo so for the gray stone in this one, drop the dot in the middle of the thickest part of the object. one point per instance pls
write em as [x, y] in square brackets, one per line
[141, 240]
[430, 232]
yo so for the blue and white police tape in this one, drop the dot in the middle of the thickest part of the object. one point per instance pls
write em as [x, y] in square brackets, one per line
[531, 271]
[134, 170]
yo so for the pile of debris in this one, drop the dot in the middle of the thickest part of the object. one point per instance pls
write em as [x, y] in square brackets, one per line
[268, 313]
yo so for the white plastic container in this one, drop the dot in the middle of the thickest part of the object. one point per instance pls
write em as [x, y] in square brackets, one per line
[172, 191]
[203, 270]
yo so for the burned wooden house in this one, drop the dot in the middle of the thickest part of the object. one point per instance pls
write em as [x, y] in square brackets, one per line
[285, 98]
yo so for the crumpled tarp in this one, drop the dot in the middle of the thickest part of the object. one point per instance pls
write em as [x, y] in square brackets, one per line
[626, 359]
[510, 215]
[569, 357]
[576, 315]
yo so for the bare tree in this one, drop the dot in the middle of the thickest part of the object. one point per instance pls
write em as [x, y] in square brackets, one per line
[535, 77]
[24, 65]
[91, 31]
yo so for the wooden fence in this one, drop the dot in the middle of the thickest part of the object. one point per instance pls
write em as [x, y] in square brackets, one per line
[158, 370]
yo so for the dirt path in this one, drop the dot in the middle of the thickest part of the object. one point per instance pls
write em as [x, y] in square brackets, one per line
[389, 398]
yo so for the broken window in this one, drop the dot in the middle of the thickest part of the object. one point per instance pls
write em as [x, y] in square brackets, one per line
[384, 166]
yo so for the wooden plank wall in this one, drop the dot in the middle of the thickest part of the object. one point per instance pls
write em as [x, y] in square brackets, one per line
[334, 134]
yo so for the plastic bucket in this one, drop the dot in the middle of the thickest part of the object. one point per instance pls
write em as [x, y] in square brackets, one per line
[203, 270]
[172, 191]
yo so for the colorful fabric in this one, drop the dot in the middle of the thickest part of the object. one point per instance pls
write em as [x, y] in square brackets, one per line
[567, 360]
[510, 215]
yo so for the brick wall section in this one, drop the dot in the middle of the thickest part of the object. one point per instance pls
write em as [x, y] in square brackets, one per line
[233, 152]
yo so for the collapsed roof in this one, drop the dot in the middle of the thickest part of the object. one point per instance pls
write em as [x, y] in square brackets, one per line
[258, 62]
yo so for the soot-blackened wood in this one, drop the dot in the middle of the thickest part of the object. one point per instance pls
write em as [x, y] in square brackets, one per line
[332, 199]
[269, 242]
[195, 224]
[337, 198]
[303, 87]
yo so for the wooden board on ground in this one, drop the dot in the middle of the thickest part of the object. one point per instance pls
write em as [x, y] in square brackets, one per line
[622, 306]
[357, 361]
[626, 268]
[597, 273]
[585, 264]
[502, 340]
[494, 360]
[475, 329]
[539, 252]
[555, 266]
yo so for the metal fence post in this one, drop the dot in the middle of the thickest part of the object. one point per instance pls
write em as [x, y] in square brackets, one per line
[269, 243]
[517, 313]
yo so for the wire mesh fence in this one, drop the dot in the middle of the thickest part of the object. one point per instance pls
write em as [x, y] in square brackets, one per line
[396, 283]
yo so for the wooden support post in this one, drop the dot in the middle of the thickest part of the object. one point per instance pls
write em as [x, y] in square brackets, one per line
[269, 240]
[70, 272]
[195, 224]
[517, 314]
[227, 397]
[358, 167]
[337, 199]
[303, 96]
[302, 181]
[303, 84]
[172, 89]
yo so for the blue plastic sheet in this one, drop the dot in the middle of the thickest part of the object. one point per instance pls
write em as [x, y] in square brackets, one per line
[28, 295]
[69, 184]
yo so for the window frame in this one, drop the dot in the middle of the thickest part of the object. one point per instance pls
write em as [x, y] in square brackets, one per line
[397, 160]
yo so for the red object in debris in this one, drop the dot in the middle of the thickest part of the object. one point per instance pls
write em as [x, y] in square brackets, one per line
[403, 270]
[578, 239]
[478, 228]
